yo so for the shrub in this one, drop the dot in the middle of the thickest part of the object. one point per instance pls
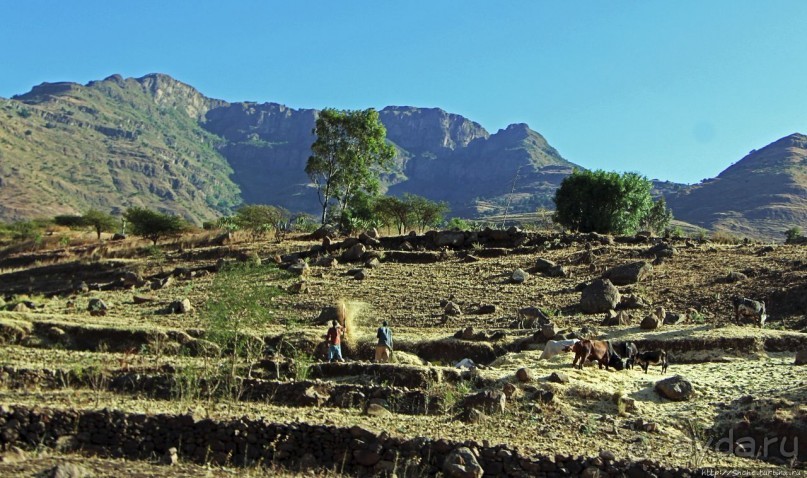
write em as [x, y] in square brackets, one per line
[154, 225]
[793, 235]
[604, 202]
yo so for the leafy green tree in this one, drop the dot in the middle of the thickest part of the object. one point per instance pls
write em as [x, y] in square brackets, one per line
[425, 212]
[793, 235]
[99, 221]
[394, 211]
[604, 202]
[348, 155]
[154, 225]
[658, 217]
[259, 219]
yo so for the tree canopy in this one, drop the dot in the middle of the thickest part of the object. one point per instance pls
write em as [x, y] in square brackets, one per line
[606, 202]
[348, 155]
[154, 225]
[260, 218]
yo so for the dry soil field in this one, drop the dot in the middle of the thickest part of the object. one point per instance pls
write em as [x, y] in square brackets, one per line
[83, 386]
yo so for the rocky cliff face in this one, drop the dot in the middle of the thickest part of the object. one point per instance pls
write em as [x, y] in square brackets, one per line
[760, 196]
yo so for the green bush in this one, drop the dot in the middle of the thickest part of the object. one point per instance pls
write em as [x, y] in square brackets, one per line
[605, 202]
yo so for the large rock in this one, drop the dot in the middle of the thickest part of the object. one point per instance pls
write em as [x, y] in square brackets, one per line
[452, 309]
[675, 388]
[461, 463]
[654, 320]
[628, 273]
[519, 276]
[599, 296]
[355, 253]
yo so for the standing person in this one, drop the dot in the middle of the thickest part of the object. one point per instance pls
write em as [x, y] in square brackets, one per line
[334, 340]
[383, 350]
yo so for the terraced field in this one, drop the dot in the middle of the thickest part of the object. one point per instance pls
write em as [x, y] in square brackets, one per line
[245, 390]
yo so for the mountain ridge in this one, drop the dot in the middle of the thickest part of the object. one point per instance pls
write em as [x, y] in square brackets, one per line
[157, 142]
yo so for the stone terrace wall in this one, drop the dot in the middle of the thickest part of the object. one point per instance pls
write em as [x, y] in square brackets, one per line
[356, 451]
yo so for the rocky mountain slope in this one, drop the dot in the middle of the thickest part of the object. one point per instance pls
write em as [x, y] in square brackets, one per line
[157, 142]
[111, 144]
[760, 196]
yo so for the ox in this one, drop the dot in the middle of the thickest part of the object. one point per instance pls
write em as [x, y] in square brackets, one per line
[628, 351]
[591, 350]
[749, 309]
[655, 357]
[555, 347]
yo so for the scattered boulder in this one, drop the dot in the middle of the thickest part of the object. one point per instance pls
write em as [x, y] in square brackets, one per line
[632, 301]
[369, 241]
[299, 268]
[21, 307]
[461, 463]
[558, 377]
[674, 319]
[360, 275]
[171, 457]
[300, 287]
[519, 276]
[801, 357]
[735, 276]
[550, 268]
[452, 309]
[509, 390]
[628, 273]
[614, 318]
[549, 331]
[182, 306]
[97, 306]
[372, 263]
[524, 375]
[472, 415]
[675, 388]
[69, 470]
[326, 230]
[599, 296]
[485, 309]
[354, 253]
[326, 261]
[143, 299]
[654, 320]
[157, 284]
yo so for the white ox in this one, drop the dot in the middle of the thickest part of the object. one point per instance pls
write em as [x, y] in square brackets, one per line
[555, 347]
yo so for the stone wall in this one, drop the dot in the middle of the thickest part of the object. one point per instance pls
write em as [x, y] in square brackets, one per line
[357, 451]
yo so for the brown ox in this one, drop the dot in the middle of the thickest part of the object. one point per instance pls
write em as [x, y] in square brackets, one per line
[591, 350]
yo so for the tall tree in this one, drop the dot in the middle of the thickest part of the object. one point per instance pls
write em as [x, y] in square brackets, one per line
[348, 155]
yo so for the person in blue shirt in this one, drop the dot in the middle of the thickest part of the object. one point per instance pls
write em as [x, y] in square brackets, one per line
[383, 350]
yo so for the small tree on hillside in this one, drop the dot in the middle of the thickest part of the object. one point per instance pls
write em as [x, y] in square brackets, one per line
[260, 218]
[154, 225]
[348, 155]
[604, 202]
[99, 221]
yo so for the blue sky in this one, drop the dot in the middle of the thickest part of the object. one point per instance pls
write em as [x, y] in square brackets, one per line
[675, 90]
